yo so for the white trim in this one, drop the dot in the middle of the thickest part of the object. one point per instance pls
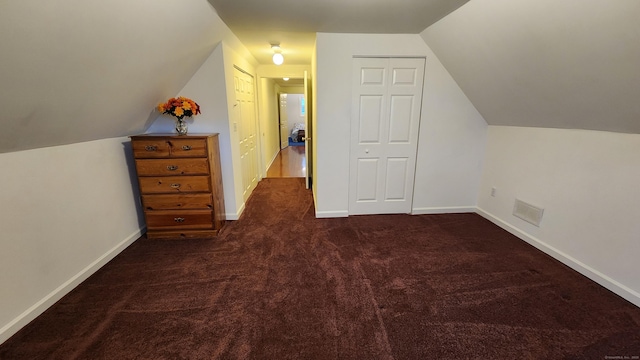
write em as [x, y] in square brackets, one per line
[38, 308]
[235, 216]
[444, 210]
[315, 201]
[593, 274]
[271, 162]
[418, 211]
[331, 214]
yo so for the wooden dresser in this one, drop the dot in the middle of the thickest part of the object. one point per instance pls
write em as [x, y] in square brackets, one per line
[180, 184]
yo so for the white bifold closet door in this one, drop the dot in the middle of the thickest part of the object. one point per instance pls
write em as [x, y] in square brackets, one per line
[245, 121]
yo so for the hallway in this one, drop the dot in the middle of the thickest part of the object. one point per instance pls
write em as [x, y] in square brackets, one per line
[290, 162]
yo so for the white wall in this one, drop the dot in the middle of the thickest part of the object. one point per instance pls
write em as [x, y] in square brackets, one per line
[451, 146]
[280, 71]
[66, 211]
[312, 166]
[452, 133]
[269, 122]
[292, 89]
[293, 110]
[588, 184]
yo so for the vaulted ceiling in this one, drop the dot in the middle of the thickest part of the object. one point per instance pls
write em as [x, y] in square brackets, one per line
[546, 63]
[75, 71]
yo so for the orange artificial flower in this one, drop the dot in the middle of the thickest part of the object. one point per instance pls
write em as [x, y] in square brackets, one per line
[179, 107]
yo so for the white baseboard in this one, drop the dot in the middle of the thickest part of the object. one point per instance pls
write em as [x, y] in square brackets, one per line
[418, 211]
[38, 308]
[275, 156]
[236, 215]
[444, 210]
[331, 214]
[600, 278]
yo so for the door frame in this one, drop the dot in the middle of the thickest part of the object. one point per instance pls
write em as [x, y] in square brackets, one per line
[256, 124]
[308, 131]
[279, 101]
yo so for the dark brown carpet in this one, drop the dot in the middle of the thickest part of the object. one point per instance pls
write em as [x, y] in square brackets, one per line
[280, 284]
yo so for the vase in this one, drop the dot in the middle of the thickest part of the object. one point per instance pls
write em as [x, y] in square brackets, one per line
[181, 127]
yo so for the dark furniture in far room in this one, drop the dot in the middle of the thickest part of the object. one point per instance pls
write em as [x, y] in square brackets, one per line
[300, 137]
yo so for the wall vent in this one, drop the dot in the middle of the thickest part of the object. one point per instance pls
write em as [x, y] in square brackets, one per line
[527, 212]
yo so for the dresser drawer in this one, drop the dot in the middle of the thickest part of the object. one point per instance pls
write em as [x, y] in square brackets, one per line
[180, 183]
[151, 148]
[188, 147]
[177, 202]
[173, 184]
[187, 219]
[162, 167]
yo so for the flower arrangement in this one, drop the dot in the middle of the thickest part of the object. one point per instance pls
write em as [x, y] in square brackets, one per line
[179, 107]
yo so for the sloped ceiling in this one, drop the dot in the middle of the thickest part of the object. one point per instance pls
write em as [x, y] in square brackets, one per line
[74, 71]
[546, 63]
[294, 23]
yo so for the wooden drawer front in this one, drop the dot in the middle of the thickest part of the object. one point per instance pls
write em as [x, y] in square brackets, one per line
[150, 148]
[188, 219]
[174, 184]
[177, 202]
[188, 147]
[162, 167]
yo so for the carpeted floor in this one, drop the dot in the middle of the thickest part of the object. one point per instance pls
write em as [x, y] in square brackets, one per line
[280, 284]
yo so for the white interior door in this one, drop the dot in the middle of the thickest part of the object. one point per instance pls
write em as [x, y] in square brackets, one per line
[284, 121]
[307, 132]
[247, 130]
[386, 105]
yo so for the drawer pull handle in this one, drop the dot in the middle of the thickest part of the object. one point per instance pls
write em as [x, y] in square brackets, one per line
[151, 148]
[172, 167]
[178, 219]
[186, 147]
[175, 186]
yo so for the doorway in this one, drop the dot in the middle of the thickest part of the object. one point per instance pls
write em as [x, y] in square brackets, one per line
[284, 157]
[291, 160]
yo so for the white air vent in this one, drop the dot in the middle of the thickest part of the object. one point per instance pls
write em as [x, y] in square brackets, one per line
[527, 212]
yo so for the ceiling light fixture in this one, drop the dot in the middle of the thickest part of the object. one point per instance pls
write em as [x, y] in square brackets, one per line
[285, 79]
[278, 59]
